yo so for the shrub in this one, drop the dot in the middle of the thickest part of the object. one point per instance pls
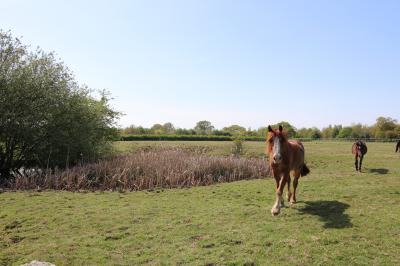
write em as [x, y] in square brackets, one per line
[237, 147]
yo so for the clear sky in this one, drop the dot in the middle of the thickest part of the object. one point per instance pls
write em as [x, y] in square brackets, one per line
[311, 63]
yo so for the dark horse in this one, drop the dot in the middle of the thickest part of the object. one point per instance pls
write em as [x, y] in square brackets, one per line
[359, 149]
[398, 146]
[285, 156]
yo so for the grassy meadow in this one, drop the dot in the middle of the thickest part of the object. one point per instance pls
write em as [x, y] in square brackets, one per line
[342, 217]
[217, 148]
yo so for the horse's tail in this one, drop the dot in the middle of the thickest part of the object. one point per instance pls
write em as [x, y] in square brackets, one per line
[304, 170]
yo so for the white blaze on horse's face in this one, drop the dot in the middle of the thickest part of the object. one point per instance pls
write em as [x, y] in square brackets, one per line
[277, 150]
[360, 153]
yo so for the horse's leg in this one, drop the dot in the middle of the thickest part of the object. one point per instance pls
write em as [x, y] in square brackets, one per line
[277, 179]
[361, 158]
[295, 182]
[289, 193]
[279, 191]
[356, 163]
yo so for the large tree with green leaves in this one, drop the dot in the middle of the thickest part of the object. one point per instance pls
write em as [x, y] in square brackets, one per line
[46, 118]
[385, 127]
[291, 130]
[235, 130]
[204, 127]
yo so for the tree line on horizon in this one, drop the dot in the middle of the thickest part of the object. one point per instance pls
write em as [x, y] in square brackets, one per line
[384, 127]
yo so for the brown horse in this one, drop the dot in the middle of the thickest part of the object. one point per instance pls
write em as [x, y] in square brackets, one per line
[398, 146]
[359, 149]
[285, 156]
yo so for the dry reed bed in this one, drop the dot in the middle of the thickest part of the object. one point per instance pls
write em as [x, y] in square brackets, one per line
[161, 168]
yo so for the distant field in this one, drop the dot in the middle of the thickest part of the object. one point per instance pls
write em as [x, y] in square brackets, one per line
[342, 218]
[252, 148]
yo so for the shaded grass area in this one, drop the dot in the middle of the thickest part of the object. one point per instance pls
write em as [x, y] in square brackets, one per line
[331, 212]
[343, 217]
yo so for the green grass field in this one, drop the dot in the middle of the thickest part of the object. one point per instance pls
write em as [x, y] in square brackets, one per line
[252, 148]
[342, 218]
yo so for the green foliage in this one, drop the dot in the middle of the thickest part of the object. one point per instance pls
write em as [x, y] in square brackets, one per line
[312, 133]
[291, 130]
[237, 147]
[383, 125]
[204, 127]
[387, 128]
[169, 128]
[331, 132]
[134, 130]
[355, 131]
[221, 133]
[345, 132]
[184, 131]
[157, 129]
[235, 130]
[46, 118]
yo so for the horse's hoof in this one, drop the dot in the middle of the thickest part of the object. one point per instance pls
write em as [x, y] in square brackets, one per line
[275, 211]
[292, 202]
[289, 197]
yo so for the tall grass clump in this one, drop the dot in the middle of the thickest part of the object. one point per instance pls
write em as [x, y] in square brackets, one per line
[146, 169]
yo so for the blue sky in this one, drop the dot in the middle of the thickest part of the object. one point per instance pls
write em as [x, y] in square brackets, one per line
[253, 63]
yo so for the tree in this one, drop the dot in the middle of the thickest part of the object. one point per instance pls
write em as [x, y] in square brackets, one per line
[291, 130]
[313, 133]
[204, 127]
[129, 130]
[345, 132]
[335, 131]
[382, 125]
[262, 131]
[184, 131]
[235, 130]
[169, 128]
[157, 129]
[135, 130]
[46, 118]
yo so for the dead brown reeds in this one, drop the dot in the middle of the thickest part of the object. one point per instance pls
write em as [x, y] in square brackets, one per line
[147, 169]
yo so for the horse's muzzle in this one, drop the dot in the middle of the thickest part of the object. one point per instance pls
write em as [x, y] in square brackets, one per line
[277, 159]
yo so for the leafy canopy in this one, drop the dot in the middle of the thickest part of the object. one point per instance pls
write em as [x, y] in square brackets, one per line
[46, 118]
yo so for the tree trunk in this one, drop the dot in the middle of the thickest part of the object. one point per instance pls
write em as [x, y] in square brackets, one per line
[4, 176]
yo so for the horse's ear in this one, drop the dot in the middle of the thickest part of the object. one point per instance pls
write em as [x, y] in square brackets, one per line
[270, 129]
[280, 128]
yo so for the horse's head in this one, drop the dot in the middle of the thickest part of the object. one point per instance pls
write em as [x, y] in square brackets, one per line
[359, 147]
[276, 139]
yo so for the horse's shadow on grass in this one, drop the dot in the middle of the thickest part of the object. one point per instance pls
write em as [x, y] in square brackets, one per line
[381, 171]
[329, 212]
